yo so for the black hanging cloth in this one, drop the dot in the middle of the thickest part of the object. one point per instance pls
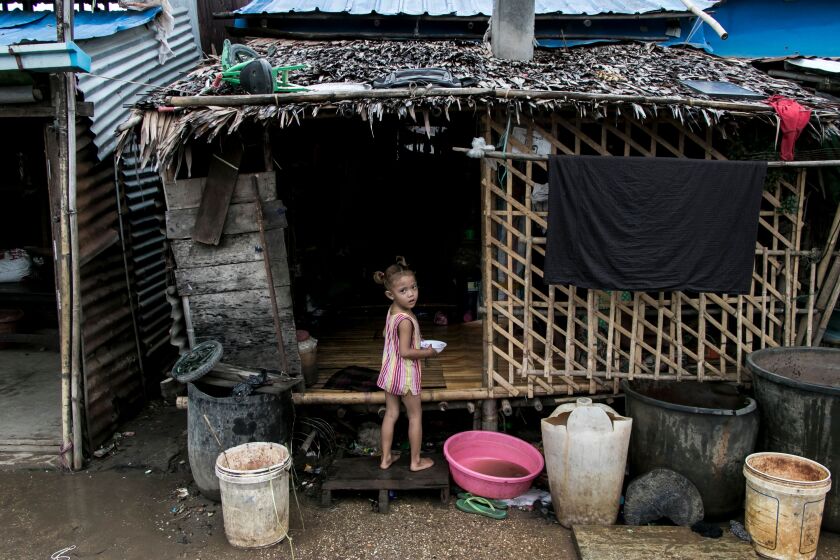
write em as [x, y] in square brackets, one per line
[650, 224]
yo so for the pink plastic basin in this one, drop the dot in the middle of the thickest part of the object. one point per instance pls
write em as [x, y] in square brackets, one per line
[474, 451]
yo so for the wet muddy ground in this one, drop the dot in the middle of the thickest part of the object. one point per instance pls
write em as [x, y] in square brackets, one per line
[140, 503]
[132, 515]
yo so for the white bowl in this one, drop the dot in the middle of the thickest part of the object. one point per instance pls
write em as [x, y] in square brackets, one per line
[438, 345]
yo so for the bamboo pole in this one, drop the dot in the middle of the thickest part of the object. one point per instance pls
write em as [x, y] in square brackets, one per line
[418, 93]
[832, 301]
[739, 346]
[764, 280]
[787, 334]
[58, 186]
[611, 333]
[592, 343]
[487, 269]
[510, 225]
[66, 112]
[834, 232]
[809, 326]
[570, 328]
[548, 355]
[527, 354]
[679, 329]
[634, 331]
[321, 397]
[538, 157]
[701, 340]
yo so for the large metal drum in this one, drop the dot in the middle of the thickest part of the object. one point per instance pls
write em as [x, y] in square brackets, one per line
[257, 417]
[798, 392]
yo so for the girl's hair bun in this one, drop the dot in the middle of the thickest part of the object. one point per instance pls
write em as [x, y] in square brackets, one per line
[394, 271]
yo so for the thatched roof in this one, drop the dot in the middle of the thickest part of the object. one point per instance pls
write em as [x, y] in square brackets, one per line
[648, 74]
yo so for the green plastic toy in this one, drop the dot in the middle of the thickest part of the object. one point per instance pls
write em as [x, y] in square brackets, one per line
[235, 59]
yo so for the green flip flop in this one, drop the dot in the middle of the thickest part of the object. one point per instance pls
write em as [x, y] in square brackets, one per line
[498, 504]
[480, 506]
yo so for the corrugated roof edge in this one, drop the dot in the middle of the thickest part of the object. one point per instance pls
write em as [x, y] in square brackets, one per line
[468, 9]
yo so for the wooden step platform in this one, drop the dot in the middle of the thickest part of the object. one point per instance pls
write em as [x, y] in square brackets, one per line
[623, 542]
[363, 473]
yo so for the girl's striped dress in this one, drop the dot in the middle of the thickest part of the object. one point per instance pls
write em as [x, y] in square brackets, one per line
[399, 376]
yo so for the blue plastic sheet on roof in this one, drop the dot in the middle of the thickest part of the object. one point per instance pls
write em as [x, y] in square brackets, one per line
[775, 28]
[465, 7]
[86, 25]
[16, 18]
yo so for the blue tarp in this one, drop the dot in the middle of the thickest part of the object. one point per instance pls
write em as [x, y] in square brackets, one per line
[464, 7]
[86, 25]
[774, 28]
[16, 18]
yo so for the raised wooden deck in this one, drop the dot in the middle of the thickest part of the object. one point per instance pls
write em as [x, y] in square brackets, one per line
[359, 343]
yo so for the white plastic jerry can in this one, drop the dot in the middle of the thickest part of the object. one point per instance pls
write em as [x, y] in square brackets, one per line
[585, 447]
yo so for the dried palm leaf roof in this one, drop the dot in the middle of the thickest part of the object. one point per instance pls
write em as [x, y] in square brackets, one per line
[648, 74]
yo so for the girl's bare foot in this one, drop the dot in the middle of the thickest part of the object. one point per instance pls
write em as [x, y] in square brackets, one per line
[422, 464]
[388, 460]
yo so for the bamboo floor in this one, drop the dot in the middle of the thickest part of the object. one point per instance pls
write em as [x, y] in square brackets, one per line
[359, 342]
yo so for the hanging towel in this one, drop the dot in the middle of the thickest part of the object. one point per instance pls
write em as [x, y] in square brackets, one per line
[650, 224]
[793, 119]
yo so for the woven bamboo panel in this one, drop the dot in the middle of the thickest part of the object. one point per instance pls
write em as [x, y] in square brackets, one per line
[564, 340]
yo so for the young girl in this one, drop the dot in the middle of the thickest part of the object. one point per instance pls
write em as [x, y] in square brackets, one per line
[400, 374]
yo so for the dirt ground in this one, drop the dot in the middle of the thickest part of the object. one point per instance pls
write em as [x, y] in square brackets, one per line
[129, 515]
[127, 507]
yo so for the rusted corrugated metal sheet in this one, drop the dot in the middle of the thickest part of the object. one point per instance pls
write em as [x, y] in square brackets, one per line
[144, 226]
[125, 66]
[113, 380]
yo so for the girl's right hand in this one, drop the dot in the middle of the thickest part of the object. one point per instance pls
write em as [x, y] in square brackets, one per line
[431, 351]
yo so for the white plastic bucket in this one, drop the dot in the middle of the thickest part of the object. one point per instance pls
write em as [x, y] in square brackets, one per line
[254, 484]
[784, 504]
[585, 447]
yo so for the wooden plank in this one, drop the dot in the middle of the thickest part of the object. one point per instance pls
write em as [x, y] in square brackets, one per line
[363, 473]
[241, 218]
[239, 248]
[229, 277]
[237, 306]
[242, 322]
[186, 193]
[218, 191]
[621, 542]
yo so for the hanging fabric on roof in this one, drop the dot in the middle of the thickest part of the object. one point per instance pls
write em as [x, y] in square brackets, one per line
[793, 119]
[163, 24]
[650, 224]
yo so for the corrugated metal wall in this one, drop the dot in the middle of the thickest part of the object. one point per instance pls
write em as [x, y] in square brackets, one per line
[113, 379]
[132, 56]
[144, 225]
[115, 347]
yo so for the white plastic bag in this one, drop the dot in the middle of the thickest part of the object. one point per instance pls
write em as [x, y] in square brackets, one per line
[15, 265]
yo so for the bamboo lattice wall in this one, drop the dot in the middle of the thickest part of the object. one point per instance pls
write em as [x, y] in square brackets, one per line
[557, 339]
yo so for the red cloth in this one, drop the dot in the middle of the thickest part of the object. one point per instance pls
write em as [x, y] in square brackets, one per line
[794, 118]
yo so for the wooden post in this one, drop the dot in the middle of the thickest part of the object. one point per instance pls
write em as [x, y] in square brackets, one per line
[489, 416]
